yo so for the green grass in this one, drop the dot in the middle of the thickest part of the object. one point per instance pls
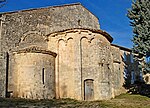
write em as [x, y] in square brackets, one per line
[122, 101]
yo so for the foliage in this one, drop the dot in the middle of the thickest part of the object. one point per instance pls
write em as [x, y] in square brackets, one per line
[139, 15]
[2, 3]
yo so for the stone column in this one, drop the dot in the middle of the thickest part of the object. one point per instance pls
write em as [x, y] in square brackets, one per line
[77, 67]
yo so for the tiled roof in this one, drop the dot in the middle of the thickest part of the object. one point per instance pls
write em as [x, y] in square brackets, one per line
[122, 48]
[110, 39]
[35, 49]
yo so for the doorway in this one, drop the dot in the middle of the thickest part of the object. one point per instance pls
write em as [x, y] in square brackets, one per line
[88, 89]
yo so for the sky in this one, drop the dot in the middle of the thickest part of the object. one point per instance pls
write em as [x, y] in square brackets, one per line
[111, 14]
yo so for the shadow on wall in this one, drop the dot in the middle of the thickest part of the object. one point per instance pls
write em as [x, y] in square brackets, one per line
[134, 82]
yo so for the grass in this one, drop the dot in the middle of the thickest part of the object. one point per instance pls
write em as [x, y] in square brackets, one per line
[129, 101]
[122, 101]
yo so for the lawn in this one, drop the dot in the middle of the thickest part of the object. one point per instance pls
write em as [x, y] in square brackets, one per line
[122, 101]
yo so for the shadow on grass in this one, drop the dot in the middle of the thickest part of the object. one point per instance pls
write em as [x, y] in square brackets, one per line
[53, 103]
[26, 103]
[122, 101]
[140, 88]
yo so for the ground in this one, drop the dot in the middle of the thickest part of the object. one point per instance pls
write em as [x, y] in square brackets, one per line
[122, 101]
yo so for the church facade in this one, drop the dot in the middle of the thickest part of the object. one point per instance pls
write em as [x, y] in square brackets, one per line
[60, 52]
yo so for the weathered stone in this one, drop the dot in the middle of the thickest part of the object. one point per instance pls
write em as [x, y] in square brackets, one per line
[59, 52]
[33, 75]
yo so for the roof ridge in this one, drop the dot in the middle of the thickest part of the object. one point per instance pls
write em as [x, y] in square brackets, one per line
[46, 7]
[122, 47]
[94, 30]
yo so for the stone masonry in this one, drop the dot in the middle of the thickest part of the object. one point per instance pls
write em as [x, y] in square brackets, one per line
[59, 52]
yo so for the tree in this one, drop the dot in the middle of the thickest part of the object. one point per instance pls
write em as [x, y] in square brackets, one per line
[2, 3]
[139, 16]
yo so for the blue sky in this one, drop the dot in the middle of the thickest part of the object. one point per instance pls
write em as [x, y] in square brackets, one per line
[111, 14]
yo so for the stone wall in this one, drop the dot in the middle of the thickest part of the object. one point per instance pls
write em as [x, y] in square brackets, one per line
[82, 54]
[3, 65]
[96, 63]
[146, 78]
[118, 69]
[126, 69]
[44, 21]
[33, 75]
[26, 28]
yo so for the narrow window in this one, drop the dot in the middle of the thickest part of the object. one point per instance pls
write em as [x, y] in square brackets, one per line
[43, 72]
[124, 57]
[79, 22]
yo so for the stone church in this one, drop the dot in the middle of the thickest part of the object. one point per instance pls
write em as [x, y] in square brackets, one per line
[60, 52]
